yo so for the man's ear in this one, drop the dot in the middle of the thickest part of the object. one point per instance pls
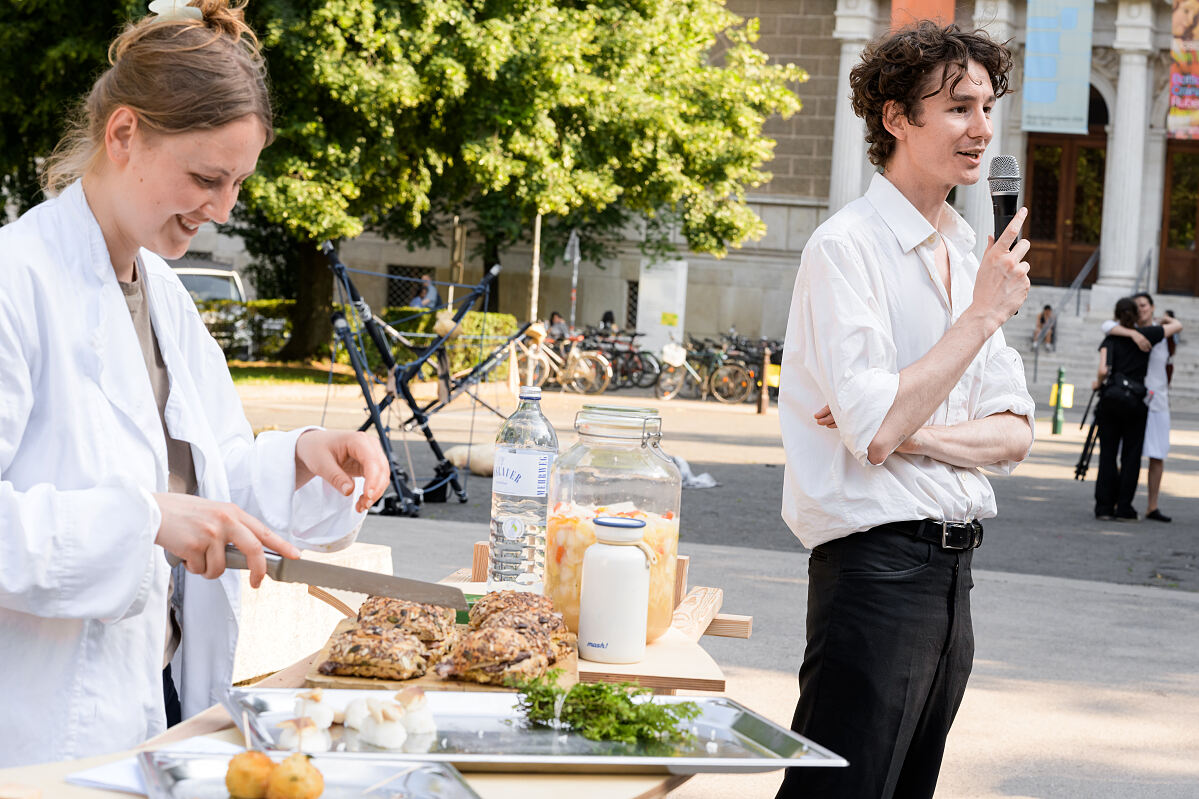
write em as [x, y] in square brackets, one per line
[119, 134]
[895, 120]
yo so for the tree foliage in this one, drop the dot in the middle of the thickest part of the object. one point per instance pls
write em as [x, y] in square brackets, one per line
[393, 114]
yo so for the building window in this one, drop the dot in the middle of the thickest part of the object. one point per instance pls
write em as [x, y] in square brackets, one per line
[402, 292]
[630, 305]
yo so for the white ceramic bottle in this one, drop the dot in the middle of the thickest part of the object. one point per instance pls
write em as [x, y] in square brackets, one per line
[614, 595]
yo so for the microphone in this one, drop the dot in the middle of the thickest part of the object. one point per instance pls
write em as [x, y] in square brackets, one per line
[1004, 180]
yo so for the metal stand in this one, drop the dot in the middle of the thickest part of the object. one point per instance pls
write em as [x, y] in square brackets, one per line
[406, 500]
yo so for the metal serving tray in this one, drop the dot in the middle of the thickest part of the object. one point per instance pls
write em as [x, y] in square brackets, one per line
[485, 732]
[183, 775]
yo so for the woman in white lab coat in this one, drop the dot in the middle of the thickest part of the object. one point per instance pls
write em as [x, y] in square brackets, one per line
[122, 439]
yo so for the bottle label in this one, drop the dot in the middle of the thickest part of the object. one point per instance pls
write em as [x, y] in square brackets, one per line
[512, 528]
[522, 472]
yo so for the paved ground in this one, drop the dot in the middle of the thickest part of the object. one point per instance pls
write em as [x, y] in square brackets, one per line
[1085, 680]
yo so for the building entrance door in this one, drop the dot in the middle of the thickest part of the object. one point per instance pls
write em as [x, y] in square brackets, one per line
[1065, 205]
[1178, 271]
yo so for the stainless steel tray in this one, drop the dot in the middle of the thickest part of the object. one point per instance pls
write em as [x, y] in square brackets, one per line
[183, 775]
[485, 732]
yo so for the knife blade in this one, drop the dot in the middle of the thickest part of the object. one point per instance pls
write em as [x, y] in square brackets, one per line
[359, 581]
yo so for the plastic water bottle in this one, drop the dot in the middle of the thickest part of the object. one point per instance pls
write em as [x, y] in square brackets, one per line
[525, 449]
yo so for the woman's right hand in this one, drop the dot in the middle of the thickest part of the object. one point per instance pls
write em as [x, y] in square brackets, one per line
[196, 530]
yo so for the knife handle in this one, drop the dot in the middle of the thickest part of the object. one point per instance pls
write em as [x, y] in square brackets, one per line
[235, 559]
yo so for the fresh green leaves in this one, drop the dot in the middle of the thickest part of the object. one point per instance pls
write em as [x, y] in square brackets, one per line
[605, 711]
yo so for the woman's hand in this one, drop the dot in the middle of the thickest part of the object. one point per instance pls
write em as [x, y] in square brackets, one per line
[340, 456]
[196, 530]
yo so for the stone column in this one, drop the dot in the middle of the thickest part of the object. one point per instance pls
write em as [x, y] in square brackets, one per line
[995, 17]
[855, 20]
[1122, 206]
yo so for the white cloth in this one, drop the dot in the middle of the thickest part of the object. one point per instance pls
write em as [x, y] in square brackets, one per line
[868, 303]
[1157, 435]
[82, 584]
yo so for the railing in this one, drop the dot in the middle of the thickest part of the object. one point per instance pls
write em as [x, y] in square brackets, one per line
[1050, 325]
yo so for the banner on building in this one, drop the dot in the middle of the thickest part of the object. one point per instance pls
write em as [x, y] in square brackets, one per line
[661, 303]
[1183, 120]
[1057, 66]
[908, 12]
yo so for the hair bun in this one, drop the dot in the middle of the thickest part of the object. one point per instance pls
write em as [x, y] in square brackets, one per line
[226, 18]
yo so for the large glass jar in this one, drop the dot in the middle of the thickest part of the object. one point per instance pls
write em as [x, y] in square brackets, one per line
[616, 468]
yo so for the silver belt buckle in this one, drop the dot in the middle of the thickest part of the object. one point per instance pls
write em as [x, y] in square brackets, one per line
[945, 535]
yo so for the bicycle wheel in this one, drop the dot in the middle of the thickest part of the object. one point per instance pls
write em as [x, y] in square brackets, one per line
[590, 374]
[669, 382]
[630, 369]
[620, 370]
[730, 383]
[650, 367]
[541, 368]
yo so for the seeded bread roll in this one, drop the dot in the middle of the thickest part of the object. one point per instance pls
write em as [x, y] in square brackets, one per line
[538, 622]
[498, 601]
[374, 651]
[426, 622]
[497, 653]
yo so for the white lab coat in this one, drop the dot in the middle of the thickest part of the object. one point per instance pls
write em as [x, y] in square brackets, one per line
[82, 583]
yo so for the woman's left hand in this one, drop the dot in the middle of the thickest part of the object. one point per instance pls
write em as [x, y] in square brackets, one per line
[340, 456]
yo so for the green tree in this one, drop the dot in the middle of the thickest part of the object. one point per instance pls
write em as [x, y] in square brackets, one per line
[393, 114]
[50, 53]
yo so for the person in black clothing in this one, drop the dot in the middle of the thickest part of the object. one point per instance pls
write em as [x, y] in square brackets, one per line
[1121, 420]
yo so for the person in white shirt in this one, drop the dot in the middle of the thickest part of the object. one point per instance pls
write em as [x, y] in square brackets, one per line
[122, 439]
[897, 390]
[1157, 380]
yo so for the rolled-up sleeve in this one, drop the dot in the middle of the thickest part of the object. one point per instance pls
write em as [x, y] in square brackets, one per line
[847, 345]
[1004, 390]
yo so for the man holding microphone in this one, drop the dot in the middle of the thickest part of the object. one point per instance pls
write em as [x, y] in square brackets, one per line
[897, 390]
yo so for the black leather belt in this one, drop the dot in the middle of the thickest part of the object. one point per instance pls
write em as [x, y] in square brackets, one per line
[946, 535]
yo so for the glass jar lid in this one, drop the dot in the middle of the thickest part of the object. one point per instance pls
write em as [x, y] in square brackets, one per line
[618, 421]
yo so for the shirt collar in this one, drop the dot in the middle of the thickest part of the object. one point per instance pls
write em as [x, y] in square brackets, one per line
[908, 225]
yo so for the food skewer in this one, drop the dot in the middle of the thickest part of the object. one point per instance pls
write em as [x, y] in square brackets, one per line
[381, 783]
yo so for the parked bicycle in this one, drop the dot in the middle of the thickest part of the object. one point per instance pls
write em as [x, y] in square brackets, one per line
[701, 370]
[538, 362]
[630, 366]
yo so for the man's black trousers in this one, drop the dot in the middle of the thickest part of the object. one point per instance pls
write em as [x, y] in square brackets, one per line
[889, 650]
[1120, 433]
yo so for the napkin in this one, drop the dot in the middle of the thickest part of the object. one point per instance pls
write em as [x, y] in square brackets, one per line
[126, 774]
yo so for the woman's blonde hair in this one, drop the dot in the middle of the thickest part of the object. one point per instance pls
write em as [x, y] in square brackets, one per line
[177, 75]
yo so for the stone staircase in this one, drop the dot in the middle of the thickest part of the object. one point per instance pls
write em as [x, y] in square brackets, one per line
[1078, 338]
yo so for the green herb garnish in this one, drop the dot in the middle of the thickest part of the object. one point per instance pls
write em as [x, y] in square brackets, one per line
[604, 711]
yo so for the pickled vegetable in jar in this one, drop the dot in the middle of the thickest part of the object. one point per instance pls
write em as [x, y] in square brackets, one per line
[616, 468]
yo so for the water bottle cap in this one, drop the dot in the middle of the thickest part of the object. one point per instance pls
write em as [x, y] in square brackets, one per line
[619, 529]
[530, 392]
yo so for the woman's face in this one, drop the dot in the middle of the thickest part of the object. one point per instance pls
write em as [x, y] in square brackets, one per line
[175, 183]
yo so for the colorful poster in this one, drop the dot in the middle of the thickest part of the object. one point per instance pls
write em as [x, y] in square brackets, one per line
[1057, 66]
[1183, 119]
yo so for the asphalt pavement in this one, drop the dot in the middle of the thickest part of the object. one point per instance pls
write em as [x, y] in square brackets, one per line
[1085, 681]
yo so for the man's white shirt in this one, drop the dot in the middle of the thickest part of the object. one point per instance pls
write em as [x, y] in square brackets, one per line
[867, 304]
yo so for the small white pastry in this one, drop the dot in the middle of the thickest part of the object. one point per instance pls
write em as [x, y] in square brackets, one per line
[356, 712]
[313, 706]
[302, 735]
[384, 727]
[418, 718]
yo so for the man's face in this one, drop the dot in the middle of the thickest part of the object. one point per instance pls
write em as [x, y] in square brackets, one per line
[951, 129]
[1144, 312]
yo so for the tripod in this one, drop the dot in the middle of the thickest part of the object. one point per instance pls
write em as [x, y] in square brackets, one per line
[1084, 459]
[406, 500]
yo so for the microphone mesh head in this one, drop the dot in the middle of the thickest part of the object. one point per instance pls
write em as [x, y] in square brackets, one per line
[1004, 177]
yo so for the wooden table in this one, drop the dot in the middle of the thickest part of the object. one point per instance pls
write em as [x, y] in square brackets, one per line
[676, 661]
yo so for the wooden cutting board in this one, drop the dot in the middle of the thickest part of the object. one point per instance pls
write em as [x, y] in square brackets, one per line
[315, 679]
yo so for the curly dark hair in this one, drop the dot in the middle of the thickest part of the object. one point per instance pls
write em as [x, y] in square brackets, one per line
[900, 66]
